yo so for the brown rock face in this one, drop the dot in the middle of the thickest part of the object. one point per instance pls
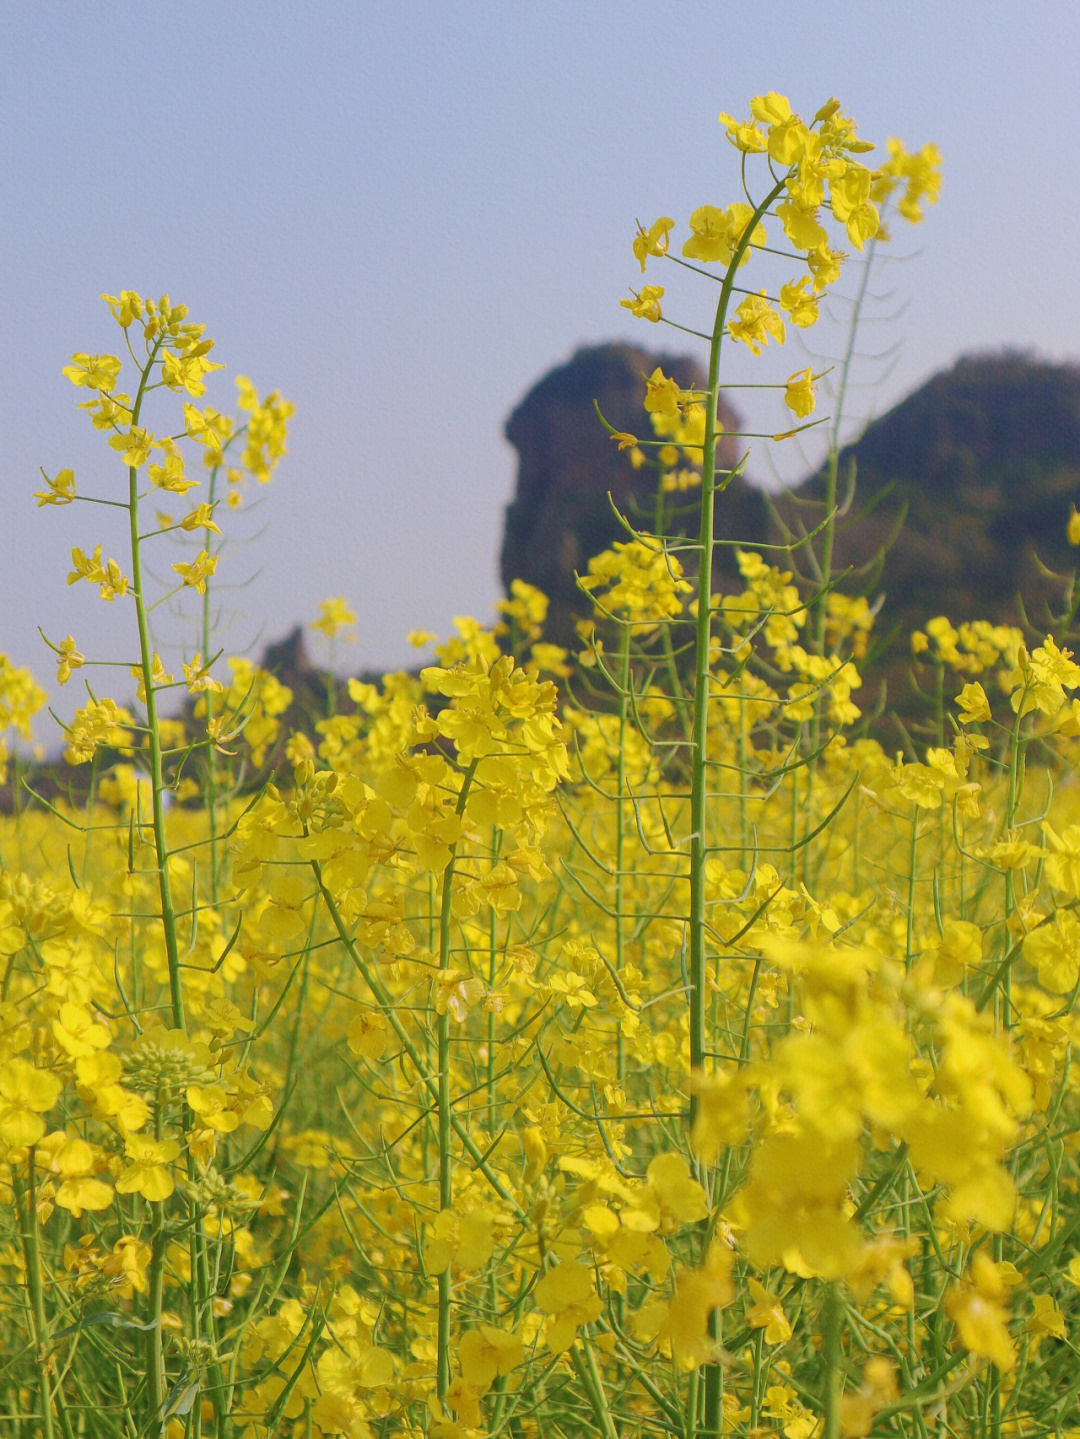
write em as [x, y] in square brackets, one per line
[568, 465]
[960, 506]
[983, 461]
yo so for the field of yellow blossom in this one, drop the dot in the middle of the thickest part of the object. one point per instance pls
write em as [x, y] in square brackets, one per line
[614, 1043]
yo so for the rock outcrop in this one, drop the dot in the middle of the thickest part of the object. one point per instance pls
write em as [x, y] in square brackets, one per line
[981, 464]
[568, 466]
[984, 461]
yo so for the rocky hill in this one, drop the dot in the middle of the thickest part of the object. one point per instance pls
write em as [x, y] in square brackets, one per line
[984, 459]
[981, 463]
[567, 466]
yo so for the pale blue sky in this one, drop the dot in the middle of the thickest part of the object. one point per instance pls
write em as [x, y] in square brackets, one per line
[402, 215]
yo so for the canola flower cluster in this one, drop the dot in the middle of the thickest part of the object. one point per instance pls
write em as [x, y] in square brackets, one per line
[544, 1043]
[813, 165]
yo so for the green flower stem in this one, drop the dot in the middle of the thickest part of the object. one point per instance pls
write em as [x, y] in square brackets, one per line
[26, 1206]
[693, 1397]
[698, 998]
[1016, 784]
[620, 818]
[493, 958]
[155, 1355]
[146, 665]
[745, 844]
[445, 1103]
[912, 875]
[702, 639]
[210, 784]
[618, 1301]
[756, 1394]
[220, 1387]
[832, 1329]
[713, 1424]
[593, 1385]
[199, 1296]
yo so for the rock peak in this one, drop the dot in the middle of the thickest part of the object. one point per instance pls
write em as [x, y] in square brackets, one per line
[568, 466]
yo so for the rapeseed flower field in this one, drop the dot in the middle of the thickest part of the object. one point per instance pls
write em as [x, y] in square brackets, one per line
[616, 1042]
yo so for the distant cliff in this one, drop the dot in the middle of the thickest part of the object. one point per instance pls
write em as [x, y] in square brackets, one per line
[567, 465]
[985, 459]
[982, 461]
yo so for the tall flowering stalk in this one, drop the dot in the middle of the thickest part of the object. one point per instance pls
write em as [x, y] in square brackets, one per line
[811, 168]
[171, 354]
